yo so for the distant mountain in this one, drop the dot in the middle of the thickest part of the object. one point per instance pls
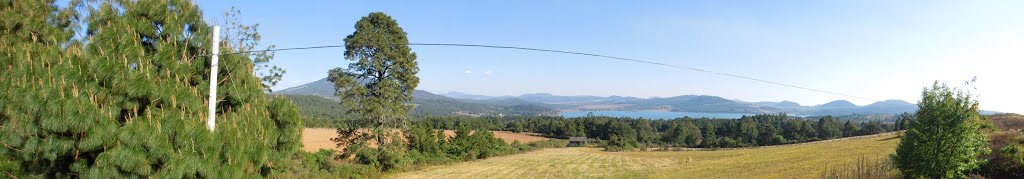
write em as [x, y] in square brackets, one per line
[505, 102]
[838, 104]
[460, 95]
[437, 105]
[549, 98]
[687, 103]
[889, 106]
[548, 104]
[787, 105]
[320, 87]
[425, 103]
[697, 103]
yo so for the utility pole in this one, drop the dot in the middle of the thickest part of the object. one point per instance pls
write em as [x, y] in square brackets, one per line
[211, 121]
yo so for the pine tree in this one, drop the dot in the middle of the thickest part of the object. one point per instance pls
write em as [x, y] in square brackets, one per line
[850, 129]
[377, 86]
[129, 99]
[828, 128]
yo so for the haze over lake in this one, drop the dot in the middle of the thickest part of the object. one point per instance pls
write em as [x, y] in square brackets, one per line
[654, 114]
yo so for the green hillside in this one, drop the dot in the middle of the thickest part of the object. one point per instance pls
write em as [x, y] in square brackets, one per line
[317, 111]
[316, 101]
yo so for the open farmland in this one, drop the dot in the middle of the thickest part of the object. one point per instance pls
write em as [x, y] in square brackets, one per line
[314, 139]
[790, 161]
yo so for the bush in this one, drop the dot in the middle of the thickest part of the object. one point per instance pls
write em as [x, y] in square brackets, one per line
[944, 139]
[324, 164]
[550, 143]
[1010, 162]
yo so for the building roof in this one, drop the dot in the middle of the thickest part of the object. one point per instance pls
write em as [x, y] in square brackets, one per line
[577, 138]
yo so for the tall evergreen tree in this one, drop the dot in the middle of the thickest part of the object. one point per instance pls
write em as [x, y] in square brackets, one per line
[850, 129]
[377, 86]
[828, 128]
[130, 100]
[903, 121]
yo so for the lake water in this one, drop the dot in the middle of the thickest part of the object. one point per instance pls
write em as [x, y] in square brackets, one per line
[654, 114]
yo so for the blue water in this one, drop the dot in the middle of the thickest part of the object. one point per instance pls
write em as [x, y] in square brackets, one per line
[654, 114]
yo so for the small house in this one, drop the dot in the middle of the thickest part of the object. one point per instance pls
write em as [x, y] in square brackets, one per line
[577, 141]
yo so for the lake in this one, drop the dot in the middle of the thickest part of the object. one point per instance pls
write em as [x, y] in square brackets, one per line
[654, 114]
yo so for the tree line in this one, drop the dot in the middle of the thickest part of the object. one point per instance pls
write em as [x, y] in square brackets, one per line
[623, 133]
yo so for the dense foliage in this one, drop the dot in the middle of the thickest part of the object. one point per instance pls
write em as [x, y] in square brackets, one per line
[628, 133]
[318, 111]
[944, 140]
[128, 99]
[423, 145]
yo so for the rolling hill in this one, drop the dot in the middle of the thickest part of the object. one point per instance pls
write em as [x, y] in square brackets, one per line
[426, 103]
[697, 103]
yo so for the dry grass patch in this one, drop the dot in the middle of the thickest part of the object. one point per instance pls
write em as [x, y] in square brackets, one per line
[792, 161]
[314, 139]
[546, 163]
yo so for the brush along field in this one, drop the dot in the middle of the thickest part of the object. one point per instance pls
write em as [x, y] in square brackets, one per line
[314, 139]
[789, 161]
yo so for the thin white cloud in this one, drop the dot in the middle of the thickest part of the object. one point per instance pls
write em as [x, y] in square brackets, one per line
[468, 72]
[489, 72]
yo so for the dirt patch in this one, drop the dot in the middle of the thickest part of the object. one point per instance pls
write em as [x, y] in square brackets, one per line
[314, 139]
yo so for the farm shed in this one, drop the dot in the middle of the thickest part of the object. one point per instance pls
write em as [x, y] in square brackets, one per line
[577, 141]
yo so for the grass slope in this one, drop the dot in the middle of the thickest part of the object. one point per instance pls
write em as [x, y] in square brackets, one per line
[790, 161]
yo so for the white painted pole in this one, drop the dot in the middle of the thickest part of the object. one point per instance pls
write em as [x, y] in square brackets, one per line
[211, 122]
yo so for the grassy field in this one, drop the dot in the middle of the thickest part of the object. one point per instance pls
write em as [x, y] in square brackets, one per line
[791, 161]
[314, 139]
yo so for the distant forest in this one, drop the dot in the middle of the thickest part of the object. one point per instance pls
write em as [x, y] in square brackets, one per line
[627, 133]
[621, 133]
[317, 111]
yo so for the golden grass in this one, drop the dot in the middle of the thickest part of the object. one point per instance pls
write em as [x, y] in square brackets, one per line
[791, 161]
[314, 139]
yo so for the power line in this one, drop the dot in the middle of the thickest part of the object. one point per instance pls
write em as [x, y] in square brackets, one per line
[572, 53]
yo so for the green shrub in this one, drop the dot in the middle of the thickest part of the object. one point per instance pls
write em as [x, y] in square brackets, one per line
[324, 164]
[1010, 161]
[550, 143]
[944, 138]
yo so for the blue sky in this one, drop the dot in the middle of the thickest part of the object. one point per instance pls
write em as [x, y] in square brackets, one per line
[874, 49]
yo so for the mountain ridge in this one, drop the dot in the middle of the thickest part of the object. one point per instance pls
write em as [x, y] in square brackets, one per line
[550, 104]
[427, 103]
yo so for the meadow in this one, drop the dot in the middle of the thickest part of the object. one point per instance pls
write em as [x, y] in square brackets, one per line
[788, 161]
